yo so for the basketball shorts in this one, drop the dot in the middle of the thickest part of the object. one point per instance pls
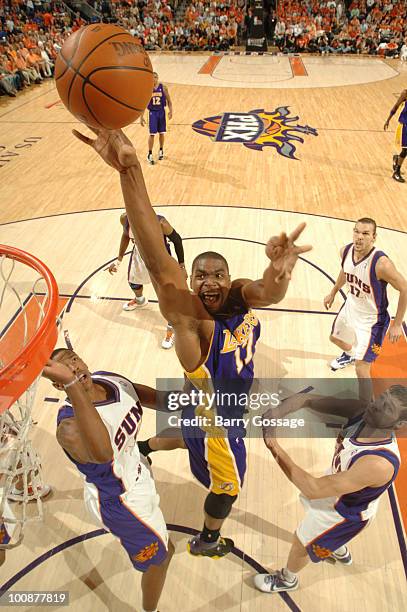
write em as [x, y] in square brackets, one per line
[134, 518]
[364, 333]
[217, 463]
[157, 122]
[137, 273]
[401, 135]
[323, 530]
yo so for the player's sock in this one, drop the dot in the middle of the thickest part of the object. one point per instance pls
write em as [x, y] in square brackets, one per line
[142, 610]
[150, 151]
[288, 576]
[342, 551]
[140, 300]
[145, 448]
[210, 536]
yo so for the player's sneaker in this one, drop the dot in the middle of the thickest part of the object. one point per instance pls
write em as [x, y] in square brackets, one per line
[17, 495]
[150, 159]
[395, 158]
[344, 559]
[218, 549]
[160, 155]
[169, 340]
[342, 361]
[134, 304]
[397, 177]
[274, 583]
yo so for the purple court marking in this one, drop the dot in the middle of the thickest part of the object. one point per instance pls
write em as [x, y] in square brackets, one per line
[291, 212]
[398, 525]
[97, 532]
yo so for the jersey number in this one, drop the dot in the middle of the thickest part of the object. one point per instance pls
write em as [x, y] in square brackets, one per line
[128, 426]
[354, 290]
[156, 100]
[240, 363]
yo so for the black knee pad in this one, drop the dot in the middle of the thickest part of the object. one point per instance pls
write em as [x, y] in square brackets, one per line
[219, 506]
[403, 153]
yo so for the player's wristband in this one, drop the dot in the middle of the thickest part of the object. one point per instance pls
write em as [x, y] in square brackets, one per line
[73, 382]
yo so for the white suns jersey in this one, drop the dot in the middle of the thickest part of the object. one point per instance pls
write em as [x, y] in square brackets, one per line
[122, 415]
[367, 294]
[361, 504]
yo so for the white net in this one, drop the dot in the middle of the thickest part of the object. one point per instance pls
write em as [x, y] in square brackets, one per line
[22, 298]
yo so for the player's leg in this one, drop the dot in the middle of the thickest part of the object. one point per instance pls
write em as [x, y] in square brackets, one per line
[369, 340]
[220, 466]
[139, 300]
[343, 336]
[162, 128]
[152, 581]
[162, 442]
[153, 127]
[398, 160]
[321, 536]
[169, 339]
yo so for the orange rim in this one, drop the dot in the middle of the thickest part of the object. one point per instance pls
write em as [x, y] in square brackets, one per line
[20, 373]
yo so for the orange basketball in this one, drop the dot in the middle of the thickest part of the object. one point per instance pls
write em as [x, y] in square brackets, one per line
[103, 76]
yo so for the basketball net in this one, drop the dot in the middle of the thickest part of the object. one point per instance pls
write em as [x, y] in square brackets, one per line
[25, 344]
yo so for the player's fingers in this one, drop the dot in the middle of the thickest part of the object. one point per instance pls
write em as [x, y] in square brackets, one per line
[83, 138]
[303, 249]
[297, 232]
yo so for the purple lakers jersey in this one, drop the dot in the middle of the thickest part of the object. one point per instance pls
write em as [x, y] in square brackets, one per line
[228, 369]
[158, 99]
[403, 115]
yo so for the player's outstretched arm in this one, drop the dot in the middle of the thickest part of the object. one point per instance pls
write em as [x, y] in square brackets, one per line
[92, 430]
[176, 302]
[368, 471]
[283, 254]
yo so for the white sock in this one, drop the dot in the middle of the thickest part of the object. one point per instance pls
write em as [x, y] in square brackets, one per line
[287, 575]
[142, 610]
[140, 300]
[341, 551]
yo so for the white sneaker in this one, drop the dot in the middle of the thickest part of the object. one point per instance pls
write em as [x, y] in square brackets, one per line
[160, 155]
[169, 340]
[17, 495]
[345, 559]
[274, 583]
[135, 304]
[342, 361]
[150, 159]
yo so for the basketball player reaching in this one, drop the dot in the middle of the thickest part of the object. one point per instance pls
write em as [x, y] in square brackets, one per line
[401, 135]
[97, 427]
[137, 273]
[156, 118]
[362, 322]
[215, 335]
[341, 504]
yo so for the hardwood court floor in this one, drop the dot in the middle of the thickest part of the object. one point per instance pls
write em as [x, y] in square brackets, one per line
[237, 198]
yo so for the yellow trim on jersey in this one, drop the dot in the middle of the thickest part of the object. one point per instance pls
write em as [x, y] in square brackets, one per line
[399, 134]
[222, 467]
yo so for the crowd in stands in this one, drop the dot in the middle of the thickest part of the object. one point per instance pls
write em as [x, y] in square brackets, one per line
[338, 26]
[33, 31]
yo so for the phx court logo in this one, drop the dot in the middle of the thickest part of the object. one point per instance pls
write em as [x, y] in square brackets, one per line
[257, 129]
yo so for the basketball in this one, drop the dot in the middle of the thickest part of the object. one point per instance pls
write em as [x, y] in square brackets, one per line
[103, 76]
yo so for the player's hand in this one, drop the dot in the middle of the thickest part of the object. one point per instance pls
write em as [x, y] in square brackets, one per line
[112, 269]
[142, 121]
[283, 253]
[386, 125]
[270, 440]
[170, 114]
[113, 146]
[58, 372]
[329, 300]
[395, 332]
